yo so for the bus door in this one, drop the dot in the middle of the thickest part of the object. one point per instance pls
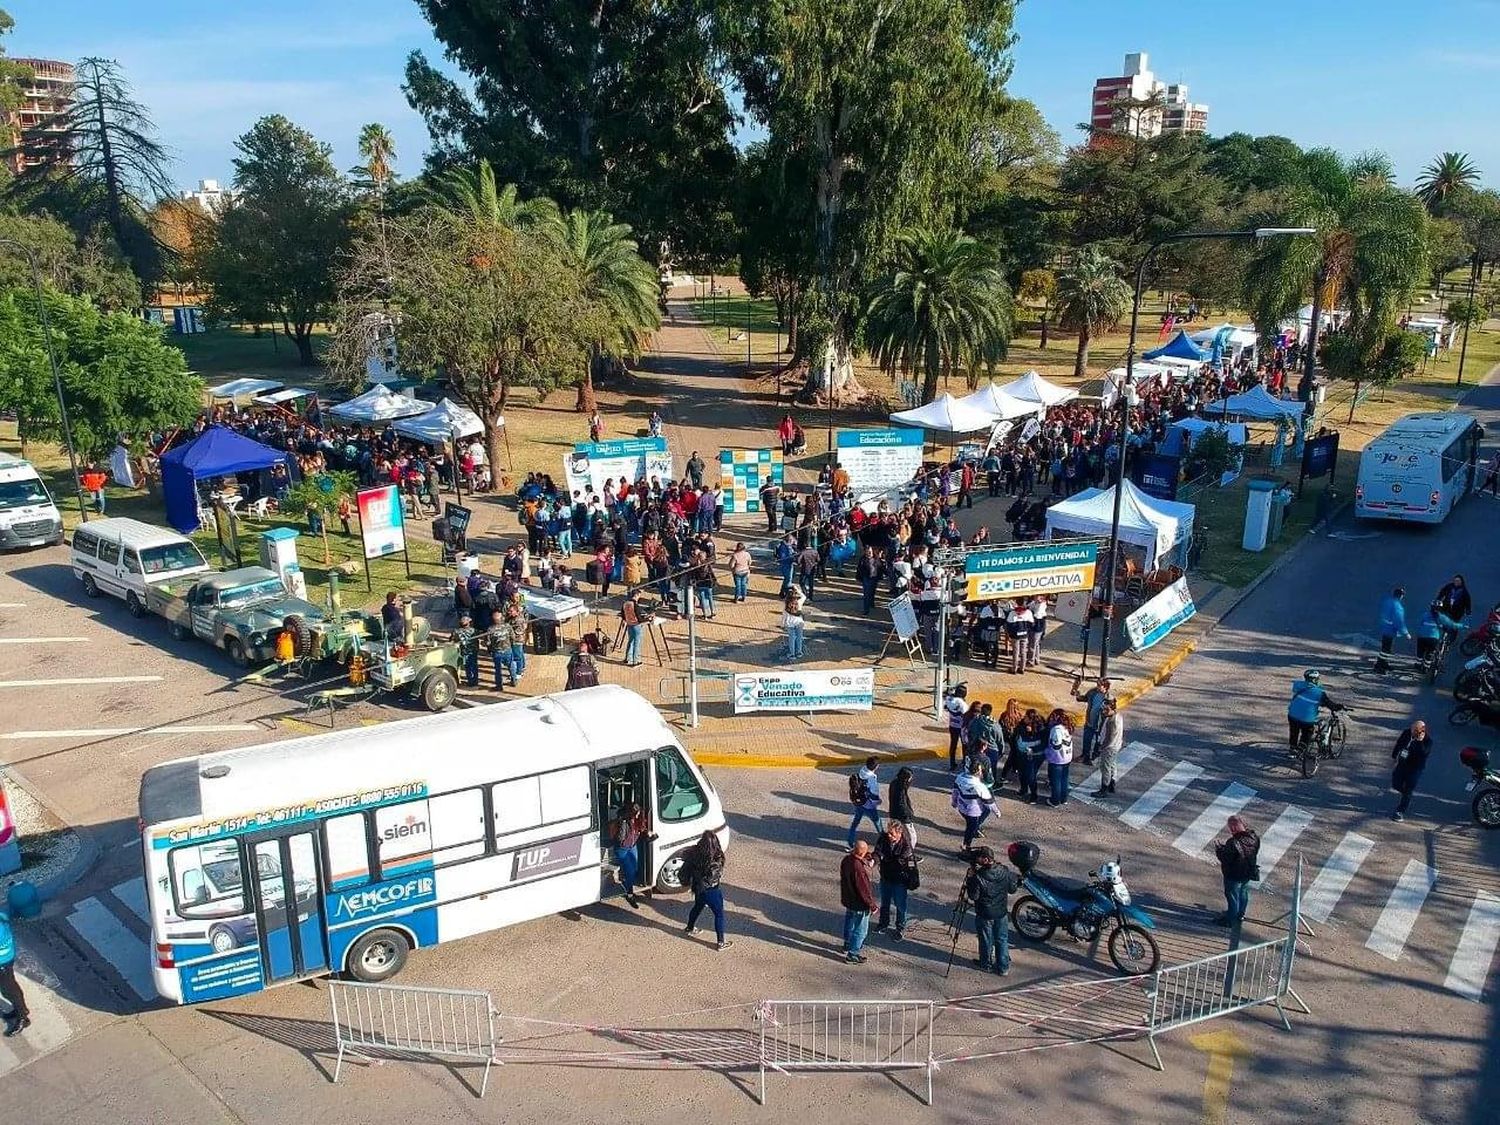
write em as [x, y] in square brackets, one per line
[288, 902]
[619, 783]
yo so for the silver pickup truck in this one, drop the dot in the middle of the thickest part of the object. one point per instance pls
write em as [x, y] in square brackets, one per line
[240, 611]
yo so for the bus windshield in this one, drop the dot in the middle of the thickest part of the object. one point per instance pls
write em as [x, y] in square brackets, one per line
[20, 493]
[170, 557]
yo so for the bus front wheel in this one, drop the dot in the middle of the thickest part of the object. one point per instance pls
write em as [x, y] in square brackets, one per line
[377, 956]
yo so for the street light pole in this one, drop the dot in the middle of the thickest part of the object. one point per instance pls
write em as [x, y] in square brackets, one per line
[1464, 350]
[1129, 388]
[62, 405]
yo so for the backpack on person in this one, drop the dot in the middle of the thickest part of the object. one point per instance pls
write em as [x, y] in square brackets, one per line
[859, 789]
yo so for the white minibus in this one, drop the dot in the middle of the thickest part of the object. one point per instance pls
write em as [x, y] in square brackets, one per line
[28, 515]
[121, 556]
[391, 838]
[1419, 468]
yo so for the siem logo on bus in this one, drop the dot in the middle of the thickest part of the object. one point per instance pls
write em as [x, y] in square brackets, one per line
[411, 826]
[377, 898]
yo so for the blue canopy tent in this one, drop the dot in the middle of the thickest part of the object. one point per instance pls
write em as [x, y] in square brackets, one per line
[1178, 347]
[216, 452]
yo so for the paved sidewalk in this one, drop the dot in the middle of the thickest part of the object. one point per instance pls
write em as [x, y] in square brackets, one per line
[707, 405]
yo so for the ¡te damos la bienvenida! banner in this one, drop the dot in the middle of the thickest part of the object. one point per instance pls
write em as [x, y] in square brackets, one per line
[1020, 572]
[852, 690]
[879, 460]
[593, 462]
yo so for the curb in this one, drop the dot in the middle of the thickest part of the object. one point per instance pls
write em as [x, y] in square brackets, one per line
[88, 849]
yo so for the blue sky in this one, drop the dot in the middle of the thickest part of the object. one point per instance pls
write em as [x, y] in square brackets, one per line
[1409, 79]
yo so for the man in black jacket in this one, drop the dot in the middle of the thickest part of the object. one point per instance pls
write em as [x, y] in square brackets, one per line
[989, 886]
[1238, 856]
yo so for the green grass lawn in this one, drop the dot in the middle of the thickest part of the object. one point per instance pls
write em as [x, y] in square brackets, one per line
[385, 574]
[224, 352]
[730, 317]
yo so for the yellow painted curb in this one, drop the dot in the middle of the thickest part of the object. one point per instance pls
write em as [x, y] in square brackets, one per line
[1154, 680]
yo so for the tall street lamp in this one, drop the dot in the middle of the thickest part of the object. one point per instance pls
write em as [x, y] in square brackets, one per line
[62, 406]
[1127, 391]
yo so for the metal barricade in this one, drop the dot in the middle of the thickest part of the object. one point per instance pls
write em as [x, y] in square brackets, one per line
[1228, 982]
[392, 1019]
[874, 1035]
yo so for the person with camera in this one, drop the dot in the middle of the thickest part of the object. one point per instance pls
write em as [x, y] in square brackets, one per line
[897, 860]
[632, 617]
[1238, 857]
[988, 886]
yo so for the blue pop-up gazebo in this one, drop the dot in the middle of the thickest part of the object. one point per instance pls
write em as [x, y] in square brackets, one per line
[216, 452]
[1178, 347]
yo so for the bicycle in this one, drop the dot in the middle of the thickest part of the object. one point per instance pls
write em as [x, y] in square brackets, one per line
[1432, 663]
[1327, 742]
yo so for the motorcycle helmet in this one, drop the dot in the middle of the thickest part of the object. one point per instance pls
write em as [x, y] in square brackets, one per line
[1312, 676]
[1109, 872]
[1023, 855]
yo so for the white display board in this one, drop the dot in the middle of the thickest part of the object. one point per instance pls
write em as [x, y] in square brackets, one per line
[835, 690]
[593, 462]
[903, 617]
[878, 460]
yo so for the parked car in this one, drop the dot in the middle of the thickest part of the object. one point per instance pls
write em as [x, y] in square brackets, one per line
[125, 558]
[28, 515]
[240, 611]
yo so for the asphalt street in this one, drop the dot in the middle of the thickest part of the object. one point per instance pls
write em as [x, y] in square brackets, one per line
[602, 1010]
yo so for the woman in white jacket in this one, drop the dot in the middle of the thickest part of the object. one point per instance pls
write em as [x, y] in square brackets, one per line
[1059, 755]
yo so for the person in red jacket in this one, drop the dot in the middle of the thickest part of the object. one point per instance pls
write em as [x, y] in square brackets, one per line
[858, 898]
[93, 480]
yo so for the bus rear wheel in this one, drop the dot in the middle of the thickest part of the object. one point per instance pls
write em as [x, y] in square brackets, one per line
[377, 956]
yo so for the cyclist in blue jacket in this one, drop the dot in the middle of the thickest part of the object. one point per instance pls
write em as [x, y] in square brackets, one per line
[1302, 713]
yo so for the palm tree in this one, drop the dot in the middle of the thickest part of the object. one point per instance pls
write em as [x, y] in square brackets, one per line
[1091, 298]
[1369, 255]
[944, 306]
[473, 194]
[1449, 173]
[378, 150]
[622, 284]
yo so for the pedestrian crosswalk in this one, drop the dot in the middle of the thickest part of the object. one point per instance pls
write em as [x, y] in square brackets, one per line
[114, 926]
[1347, 873]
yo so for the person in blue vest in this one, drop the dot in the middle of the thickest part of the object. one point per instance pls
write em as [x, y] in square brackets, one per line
[1392, 625]
[1430, 631]
[19, 1018]
[1302, 713]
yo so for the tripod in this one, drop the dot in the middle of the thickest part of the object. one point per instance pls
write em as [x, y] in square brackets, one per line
[960, 911]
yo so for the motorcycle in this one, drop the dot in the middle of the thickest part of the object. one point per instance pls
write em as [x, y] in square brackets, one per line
[1083, 910]
[1486, 804]
[1485, 635]
[1487, 711]
[1479, 677]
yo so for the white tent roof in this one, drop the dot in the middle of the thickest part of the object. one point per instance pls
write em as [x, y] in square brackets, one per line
[240, 388]
[285, 395]
[948, 415]
[1000, 406]
[1031, 387]
[379, 404]
[444, 422]
[1239, 336]
[1256, 403]
[1145, 521]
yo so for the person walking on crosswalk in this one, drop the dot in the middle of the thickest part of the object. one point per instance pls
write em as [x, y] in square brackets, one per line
[1110, 741]
[1410, 755]
[19, 1018]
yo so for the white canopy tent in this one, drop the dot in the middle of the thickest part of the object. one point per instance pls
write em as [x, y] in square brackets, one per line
[1032, 388]
[1240, 338]
[379, 404]
[947, 415]
[440, 425]
[1146, 372]
[1183, 434]
[244, 388]
[1000, 406]
[1258, 405]
[1163, 528]
[283, 396]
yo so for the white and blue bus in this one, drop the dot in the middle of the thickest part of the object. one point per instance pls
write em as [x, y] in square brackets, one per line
[365, 844]
[1419, 468]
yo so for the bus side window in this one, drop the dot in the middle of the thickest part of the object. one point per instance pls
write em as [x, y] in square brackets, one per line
[206, 880]
[347, 851]
[678, 794]
[403, 833]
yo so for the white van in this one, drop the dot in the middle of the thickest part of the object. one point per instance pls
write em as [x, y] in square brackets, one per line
[1419, 468]
[124, 556]
[28, 516]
